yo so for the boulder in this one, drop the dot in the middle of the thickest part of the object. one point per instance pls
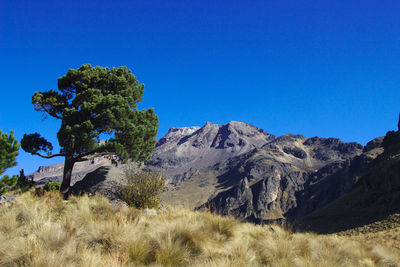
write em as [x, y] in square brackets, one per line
[7, 199]
[103, 181]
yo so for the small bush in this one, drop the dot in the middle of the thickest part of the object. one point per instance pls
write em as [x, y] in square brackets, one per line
[8, 183]
[23, 183]
[52, 186]
[142, 189]
[15, 182]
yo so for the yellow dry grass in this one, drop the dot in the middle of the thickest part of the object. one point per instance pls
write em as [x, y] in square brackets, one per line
[89, 231]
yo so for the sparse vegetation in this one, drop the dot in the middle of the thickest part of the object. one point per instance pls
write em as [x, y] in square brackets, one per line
[52, 186]
[143, 188]
[89, 231]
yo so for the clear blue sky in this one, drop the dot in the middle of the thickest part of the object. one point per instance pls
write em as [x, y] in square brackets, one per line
[317, 68]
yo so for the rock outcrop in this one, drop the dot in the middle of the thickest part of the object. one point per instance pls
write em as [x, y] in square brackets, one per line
[270, 179]
[103, 181]
[374, 197]
[7, 199]
[54, 172]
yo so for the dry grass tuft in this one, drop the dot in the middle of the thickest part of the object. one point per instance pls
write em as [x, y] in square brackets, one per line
[88, 231]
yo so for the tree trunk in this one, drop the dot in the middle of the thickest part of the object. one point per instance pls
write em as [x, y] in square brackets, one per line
[398, 124]
[66, 182]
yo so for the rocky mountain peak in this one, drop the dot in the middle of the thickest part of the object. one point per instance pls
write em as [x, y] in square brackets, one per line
[194, 147]
[175, 134]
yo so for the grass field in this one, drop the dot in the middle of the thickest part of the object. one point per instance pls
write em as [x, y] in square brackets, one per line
[89, 231]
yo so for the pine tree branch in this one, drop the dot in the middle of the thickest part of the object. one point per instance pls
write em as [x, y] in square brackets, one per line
[50, 113]
[48, 157]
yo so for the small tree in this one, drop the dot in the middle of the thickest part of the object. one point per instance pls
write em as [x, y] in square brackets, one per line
[94, 102]
[9, 147]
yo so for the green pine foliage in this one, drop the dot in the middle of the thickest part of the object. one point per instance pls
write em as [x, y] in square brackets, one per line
[9, 147]
[23, 183]
[8, 183]
[94, 103]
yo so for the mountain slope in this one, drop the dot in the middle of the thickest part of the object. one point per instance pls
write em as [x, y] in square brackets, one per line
[375, 196]
[262, 185]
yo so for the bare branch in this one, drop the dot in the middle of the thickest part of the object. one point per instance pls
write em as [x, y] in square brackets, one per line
[48, 157]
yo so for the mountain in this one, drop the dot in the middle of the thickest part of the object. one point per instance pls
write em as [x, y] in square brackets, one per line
[239, 169]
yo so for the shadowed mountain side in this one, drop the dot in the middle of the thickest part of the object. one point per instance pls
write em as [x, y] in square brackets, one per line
[333, 180]
[375, 196]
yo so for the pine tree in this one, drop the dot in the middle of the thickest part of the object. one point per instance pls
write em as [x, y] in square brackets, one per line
[94, 103]
[9, 147]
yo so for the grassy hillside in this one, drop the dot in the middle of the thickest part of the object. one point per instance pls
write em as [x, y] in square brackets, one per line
[384, 232]
[88, 231]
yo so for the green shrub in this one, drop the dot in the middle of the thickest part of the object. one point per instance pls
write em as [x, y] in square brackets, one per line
[15, 182]
[142, 189]
[8, 152]
[52, 186]
[8, 183]
[23, 183]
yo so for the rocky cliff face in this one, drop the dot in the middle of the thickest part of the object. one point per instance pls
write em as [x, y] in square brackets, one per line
[266, 184]
[55, 172]
[334, 180]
